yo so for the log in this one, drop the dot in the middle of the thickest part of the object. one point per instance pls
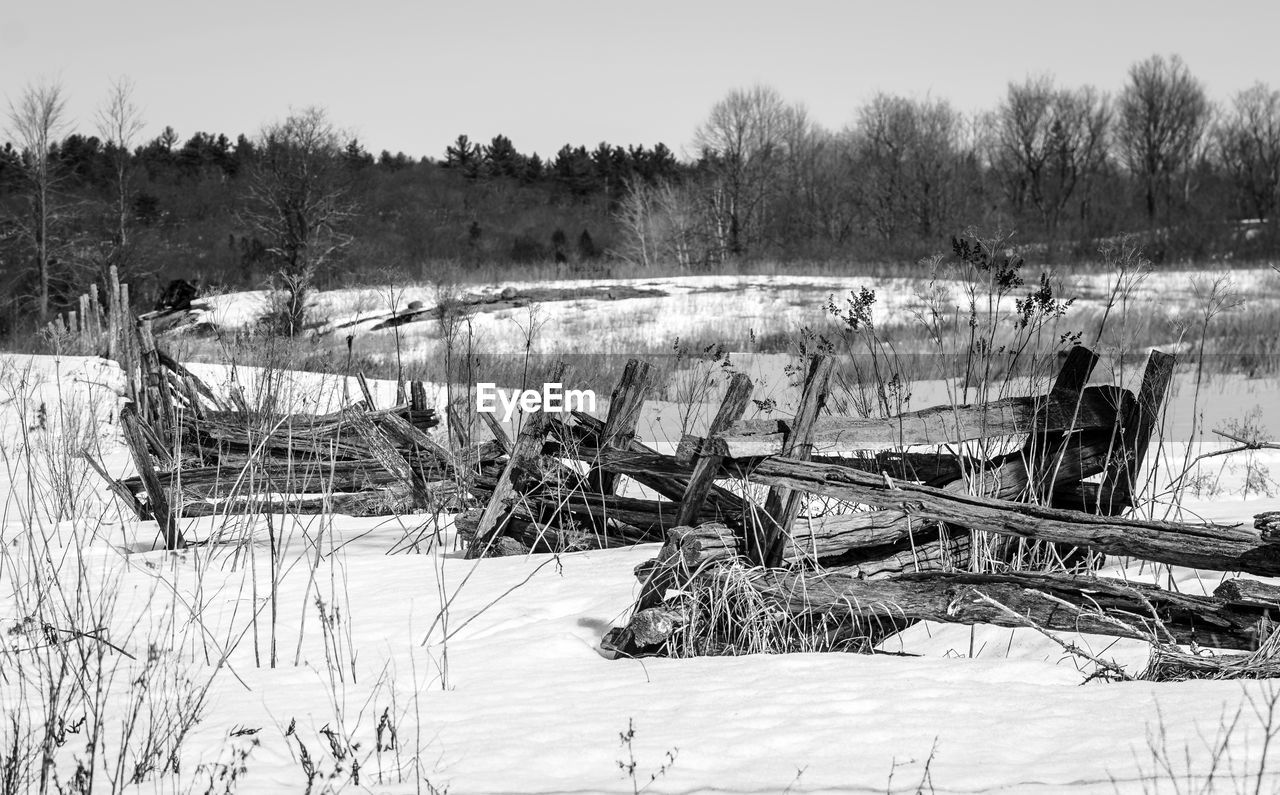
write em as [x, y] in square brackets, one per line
[1063, 604]
[1268, 524]
[156, 444]
[1249, 592]
[1048, 458]
[158, 404]
[1198, 546]
[695, 547]
[651, 517]
[113, 314]
[293, 436]
[684, 554]
[380, 502]
[928, 550]
[814, 538]
[285, 476]
[1014, 416]
[1066, 463]
[933, 468]
[387, 455]
[411, 437]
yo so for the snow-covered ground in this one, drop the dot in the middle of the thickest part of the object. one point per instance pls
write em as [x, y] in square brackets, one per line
[491, 676]
[621, 316]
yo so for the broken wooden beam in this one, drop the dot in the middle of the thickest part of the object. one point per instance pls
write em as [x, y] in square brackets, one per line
[375, 502]
[391, 459]
[1241, 591]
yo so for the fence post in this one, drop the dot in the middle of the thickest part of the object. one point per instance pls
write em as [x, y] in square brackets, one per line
[765, 545]
[523, 459]
[1120, 480]
[734, 405]
[156, 495]
[620, 425]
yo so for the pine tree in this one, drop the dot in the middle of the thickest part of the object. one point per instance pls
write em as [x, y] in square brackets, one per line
[587, 250]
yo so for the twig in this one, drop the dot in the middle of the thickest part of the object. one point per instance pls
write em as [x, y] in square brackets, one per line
[1070, 648]
[1247, 443]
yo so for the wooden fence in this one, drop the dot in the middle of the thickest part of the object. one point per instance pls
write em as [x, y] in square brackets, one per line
[876, 520]
[863, 519]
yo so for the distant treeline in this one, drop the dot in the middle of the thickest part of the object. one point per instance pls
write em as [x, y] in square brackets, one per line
[301, 205]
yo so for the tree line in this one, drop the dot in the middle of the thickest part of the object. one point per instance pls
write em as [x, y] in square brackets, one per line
[1067, 168]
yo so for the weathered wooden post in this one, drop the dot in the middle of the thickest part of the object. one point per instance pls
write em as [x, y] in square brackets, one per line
[625, 403]
[160, 506]
[765, 545]
[707, 464]
[523, 460]
[1137, 422]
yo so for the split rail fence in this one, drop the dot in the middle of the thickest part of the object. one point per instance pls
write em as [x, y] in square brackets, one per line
[853, 521]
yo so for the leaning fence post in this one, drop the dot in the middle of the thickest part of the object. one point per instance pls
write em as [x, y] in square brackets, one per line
[156, 495]
[734, 405]
[523, 459]
[1120, 480]
[737, 397]
[766, 544]
[620, 424]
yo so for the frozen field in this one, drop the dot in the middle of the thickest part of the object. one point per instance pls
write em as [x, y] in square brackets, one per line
[622, 316]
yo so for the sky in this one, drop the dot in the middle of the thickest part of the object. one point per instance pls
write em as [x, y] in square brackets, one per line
[410, 76]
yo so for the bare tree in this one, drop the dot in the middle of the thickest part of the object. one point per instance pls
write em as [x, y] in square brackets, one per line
[1248, 146]
[741, 144]
[829, 187]
[119, 122]
[805, 173]
[1051, 141]
[36, 121]
[1163, 115]
[908, 152]
[299, 201]
[663, 222]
